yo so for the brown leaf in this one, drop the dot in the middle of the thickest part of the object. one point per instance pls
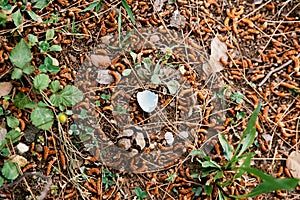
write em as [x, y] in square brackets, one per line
[293, 164]
[5, 88]
[218, 50]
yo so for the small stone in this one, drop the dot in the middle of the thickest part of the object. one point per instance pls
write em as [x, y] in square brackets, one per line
[140, 140]
[169, 138]
[100, 61]
[22, 148]
[124, 143]
[104, 77]
[183, 134]
[38, 148]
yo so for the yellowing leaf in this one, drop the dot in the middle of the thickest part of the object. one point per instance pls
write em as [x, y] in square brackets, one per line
[218, 50]
[293, 164]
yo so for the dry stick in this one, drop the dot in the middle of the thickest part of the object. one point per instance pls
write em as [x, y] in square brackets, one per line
[275, 70]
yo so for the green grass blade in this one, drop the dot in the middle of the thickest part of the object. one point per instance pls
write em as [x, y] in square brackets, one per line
[128, 10]
[269, 183]
[119, 25]
[248, 136]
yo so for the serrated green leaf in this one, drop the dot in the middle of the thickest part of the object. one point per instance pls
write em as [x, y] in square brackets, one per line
[21, 100]
[155, 79]
[17, 18]
[42, 118]
[133, 56]
[140, 193]
[13, 136]
[32, 15]
[21, 54]
[227, 148]
[55, 48]
[32, 39]
[41, 81]
[208, 189]
[1, 181]
[71, 95]
[10, 170]
[12, 121]
[54, 86]
[17, 73]
[50, 34]
[173, 86]
[56, 99]
[40, 4]
[44, 46]
[3, 19]
[128, 10]
[28, 69]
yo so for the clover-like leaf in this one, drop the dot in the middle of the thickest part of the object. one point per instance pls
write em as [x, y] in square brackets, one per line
[10, 170]
[12, 121]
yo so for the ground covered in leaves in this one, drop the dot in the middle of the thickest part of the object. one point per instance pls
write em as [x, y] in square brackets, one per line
[71, 80]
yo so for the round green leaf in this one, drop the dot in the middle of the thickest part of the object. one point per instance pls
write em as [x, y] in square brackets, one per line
[42, 118]
[17, 73]
[41, 81]
[10, 170]
[12, 121]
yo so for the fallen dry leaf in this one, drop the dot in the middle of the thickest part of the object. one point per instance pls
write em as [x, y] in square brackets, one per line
[293, 164]
[5, 88]
[218, 50]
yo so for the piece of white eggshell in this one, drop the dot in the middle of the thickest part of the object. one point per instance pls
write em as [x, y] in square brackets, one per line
[147, 100]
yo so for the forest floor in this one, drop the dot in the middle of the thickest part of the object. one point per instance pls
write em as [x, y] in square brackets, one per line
[152, 99]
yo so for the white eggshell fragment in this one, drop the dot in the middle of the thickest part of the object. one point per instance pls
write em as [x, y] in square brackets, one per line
[169, 138]
[147, 100]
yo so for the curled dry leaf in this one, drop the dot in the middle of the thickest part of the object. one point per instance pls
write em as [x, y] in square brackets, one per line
[218, 50]
[20, 160]
[5, 88]
[293, 164]
[3, 131]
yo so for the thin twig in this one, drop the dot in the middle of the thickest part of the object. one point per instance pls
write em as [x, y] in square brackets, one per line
[275, 70]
